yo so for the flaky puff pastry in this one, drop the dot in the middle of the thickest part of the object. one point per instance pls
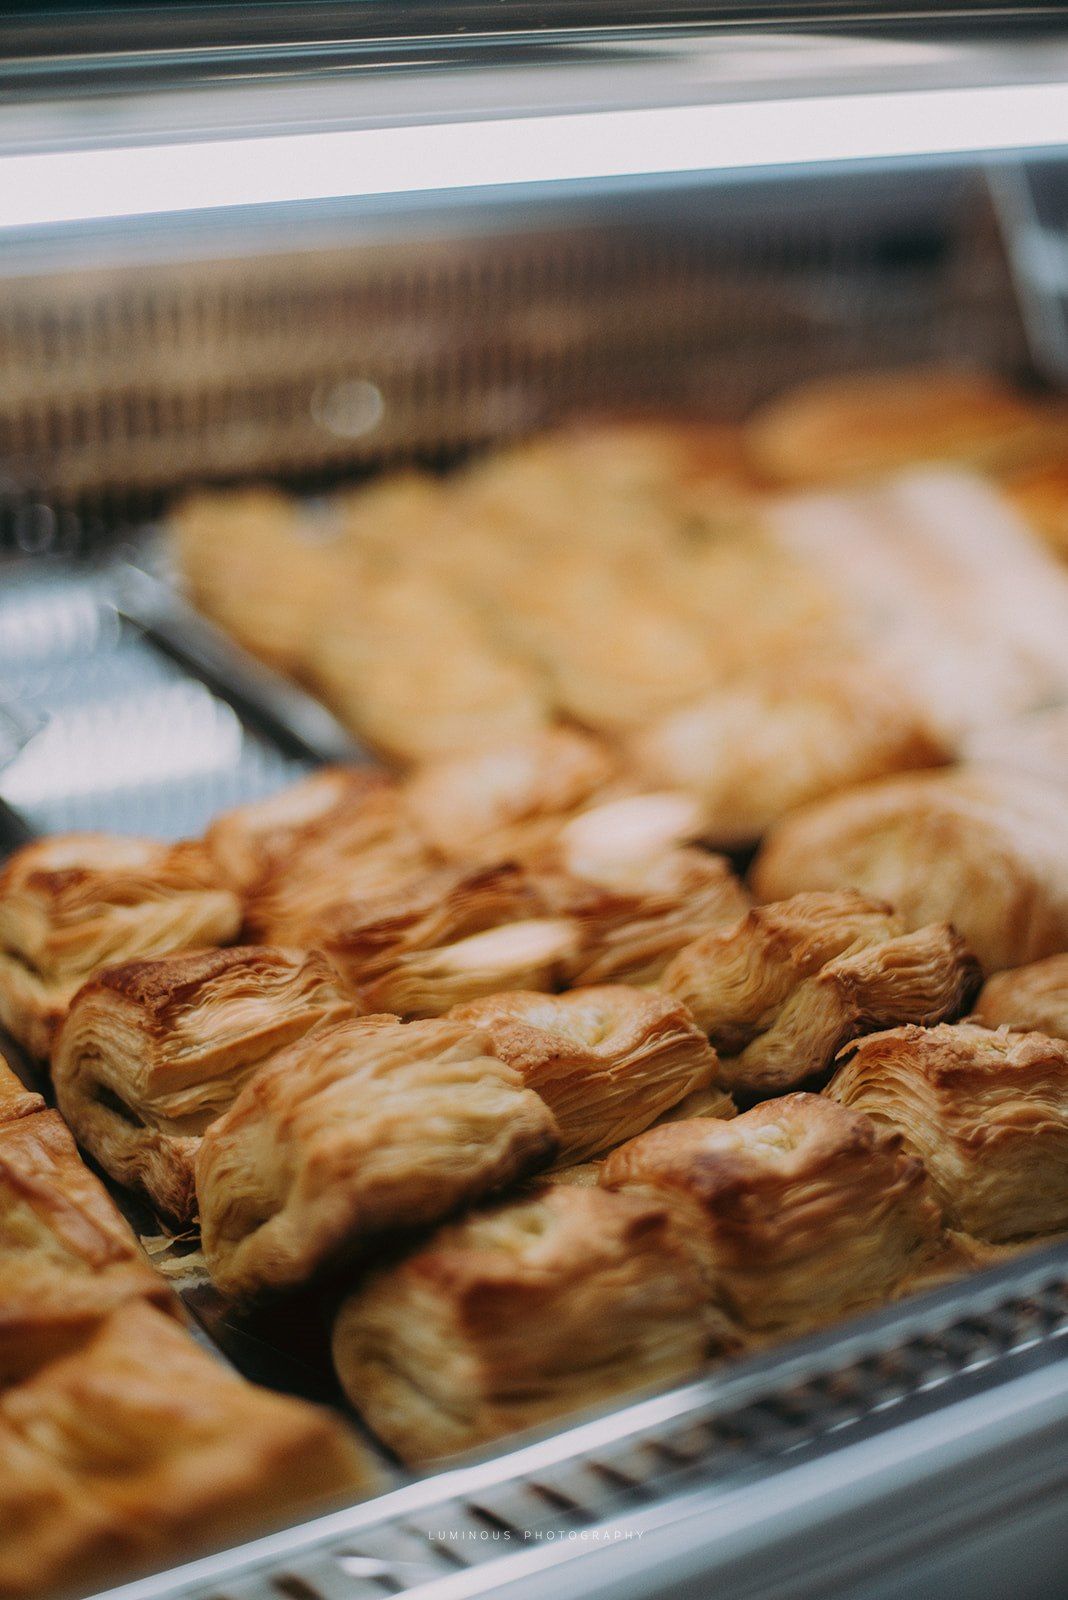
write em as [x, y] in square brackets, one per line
[349, 810]
[15, 1099]
[832, 430]
[781, 735]
[151, 1052]
[364, 1128]
[608, 1061]
[76, 902]
[67, 1259]
[521, 1314]
[984, 849]
[986, 1111]
[1028, 999]
[632, 919]
[176, 1450]
[474, 805]
[799, 1209]
[450, 936]
[786, 986]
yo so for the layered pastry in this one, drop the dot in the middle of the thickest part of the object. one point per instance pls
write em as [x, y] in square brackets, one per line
[67, 1258]
[15, 1099]
[608, 1061]
[365, 1128]
[1028, 999]
[159, 1451]
[778, 737]
[632, 920]
[345, 811]
[836, 429]
[781, 990]
[151, 1052]
[405, 663]
[450, 936]
[798, 1210]
[616, 839]
[987, 1111]
[1040, 494]
[521, 1314]
[478, 805]
[1035, 746]
[986, 850]
[76, 902]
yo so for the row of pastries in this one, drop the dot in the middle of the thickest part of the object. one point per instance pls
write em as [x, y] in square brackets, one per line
[484, 1098]
[124, 1444]
[497, 1059]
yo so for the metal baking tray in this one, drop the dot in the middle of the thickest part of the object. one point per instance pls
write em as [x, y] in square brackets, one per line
[959, 1394]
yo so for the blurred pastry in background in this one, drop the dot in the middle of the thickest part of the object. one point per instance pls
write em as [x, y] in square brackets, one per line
[860, 425]
[978, 847]
[1028, 999]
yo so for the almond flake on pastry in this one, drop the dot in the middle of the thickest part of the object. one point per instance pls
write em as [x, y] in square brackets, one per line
[361, 1129]
[521, 1314]
[985, 850]
[799, 1209]
[73, 903]
[153, 1051]
[177, 1449]
[68, 1258]
[1028, 999]
[608, 1061]
[782, 990]
[986, 1111]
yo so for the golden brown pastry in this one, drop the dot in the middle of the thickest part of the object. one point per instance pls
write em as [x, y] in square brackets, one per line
[15, 1099]
[608, 1061]
[799, 1209]
[174, 1449]
[345, 810]
[413, 951]
[984, 849]
[76, 902]
[833, 429]
[364, 1128]
[986, 1111]
[405, 663]
[521, 1314]
[473, 806]
[1033, 998]
[757, 747]
[780, 991]
[1040, 494]
[67, 1258]
[53, 1534]
[632, 920]
[153, 1051]
[621, 836]
[1034, 746]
